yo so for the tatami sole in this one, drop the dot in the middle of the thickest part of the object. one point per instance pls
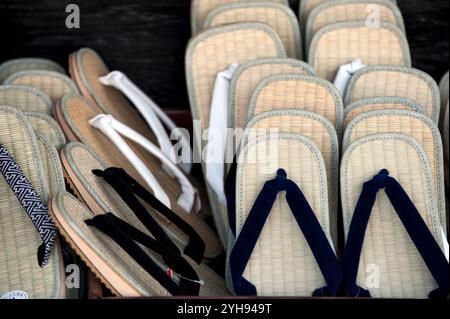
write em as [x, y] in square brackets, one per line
[109, 278]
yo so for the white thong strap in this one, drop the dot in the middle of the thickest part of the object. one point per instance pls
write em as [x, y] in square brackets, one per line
[217, 133]
[153, 115]
[345, 73]
[113, 129]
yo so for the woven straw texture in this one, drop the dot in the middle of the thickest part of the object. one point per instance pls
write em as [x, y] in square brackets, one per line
[51, 164]
[279, 17]
[66, 208]
[19, 240]
[444, 125]
[379, 103]
[340, 43]
[387, 248]
[201, 8]
[247, 77]
[48, 127]
[282, 263]
[314, 127]
[417, 126]
[306, 6]
[301, 92]
[53, 84]
[213, 51]
[446, 137]
[86, 67]
[10, 67]
[25, 98]
[352, 10]
[396, 81]
[75, 112]
[81, 162]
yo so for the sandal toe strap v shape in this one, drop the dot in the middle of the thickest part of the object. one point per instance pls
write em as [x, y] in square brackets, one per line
[411, 219]
[306, 220]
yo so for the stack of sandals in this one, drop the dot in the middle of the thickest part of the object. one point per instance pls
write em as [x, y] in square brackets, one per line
[356, 116]
[91, 177]
[131, 210]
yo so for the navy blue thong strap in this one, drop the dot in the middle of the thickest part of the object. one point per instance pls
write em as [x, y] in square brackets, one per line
[306, 220]
[413, 223]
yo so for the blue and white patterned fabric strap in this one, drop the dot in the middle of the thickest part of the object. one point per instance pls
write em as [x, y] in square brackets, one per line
[34, 206]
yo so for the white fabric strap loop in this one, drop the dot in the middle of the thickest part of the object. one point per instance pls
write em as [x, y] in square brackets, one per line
[153, 115]
[345, 73]
[217, 133]
[445, 241]
[188, 199]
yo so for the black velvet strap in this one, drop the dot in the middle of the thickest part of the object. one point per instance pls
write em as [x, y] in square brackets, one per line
[126, 237]
[230, 193]
[127, 187]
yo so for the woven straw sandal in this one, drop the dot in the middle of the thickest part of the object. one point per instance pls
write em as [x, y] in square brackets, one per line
[51, 164]
[314, 127]
[118, 271]
[394, 238]
[387, 80]
[415, 125]
[117, 266]
[205, 60]
[247, 77]
[301, 92]
[331, 12]
[446, 140]
[201, 8]
[21, 239]
[25, 98]
[48, 127]
[340, 43]
[278, 16]
[86, 68]
[74, 112]
[444, 126]
[10, 67]
[283, 245]
[306, 6]
[79, 162]
[379, 103]
[54, 85]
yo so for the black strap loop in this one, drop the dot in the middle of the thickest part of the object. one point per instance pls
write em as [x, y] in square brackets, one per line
[127, 187]
[126, 237]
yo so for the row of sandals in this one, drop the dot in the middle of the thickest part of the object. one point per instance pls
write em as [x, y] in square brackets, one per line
[81, 162]
[276, 205]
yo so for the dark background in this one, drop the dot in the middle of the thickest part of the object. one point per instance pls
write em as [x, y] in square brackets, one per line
[146, 38]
